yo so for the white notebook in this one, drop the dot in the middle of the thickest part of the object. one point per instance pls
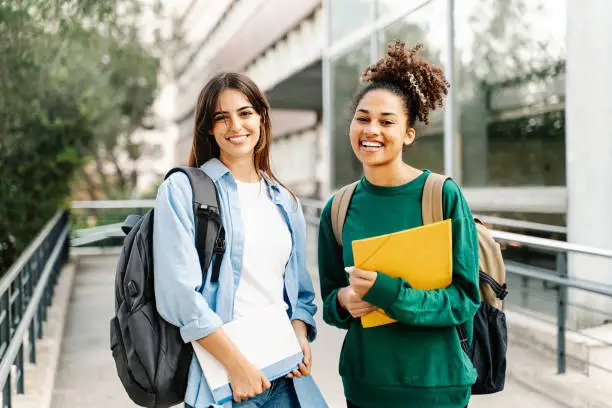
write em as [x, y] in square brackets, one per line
[266, 339]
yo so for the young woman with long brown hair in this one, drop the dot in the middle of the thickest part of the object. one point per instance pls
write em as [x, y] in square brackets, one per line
[264, 260]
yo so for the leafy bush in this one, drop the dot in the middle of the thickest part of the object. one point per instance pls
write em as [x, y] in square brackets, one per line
[75, 82]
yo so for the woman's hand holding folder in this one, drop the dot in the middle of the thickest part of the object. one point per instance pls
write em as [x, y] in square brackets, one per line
[350, 297]
[301, 332]
[361, 281]
[246, 380]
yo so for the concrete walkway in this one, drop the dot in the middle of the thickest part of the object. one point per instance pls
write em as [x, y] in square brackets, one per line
[86, 375]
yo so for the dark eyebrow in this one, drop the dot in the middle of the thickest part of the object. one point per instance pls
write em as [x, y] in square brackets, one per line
[239, 110]
[382, 114]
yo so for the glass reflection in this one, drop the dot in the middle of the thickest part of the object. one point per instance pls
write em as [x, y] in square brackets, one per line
[511, 66]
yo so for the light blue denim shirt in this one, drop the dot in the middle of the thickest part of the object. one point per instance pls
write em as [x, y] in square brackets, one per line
[199, 309]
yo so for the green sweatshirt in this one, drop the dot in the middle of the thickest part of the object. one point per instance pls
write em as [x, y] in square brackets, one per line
[418, 361]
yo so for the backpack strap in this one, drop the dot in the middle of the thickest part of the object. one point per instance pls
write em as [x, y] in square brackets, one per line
[432, 211]
[339, 208]
[501, 291]
[209, 235]
[431, 206]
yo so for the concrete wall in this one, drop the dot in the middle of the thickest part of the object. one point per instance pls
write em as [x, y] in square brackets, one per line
[296, 158]
[589, 145]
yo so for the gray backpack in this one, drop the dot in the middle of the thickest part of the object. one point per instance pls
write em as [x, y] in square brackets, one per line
[151, 358]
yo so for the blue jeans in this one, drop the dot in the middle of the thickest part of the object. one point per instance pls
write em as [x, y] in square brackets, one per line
[281, 394]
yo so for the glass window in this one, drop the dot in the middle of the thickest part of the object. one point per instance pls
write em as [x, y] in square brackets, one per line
[510, 92]
[423, 25]
[427, 152]
[345, 73]
[388, 7]
[349, 15]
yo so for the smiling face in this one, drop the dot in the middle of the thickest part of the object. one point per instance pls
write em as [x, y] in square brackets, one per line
[379, 129]
[236, 126]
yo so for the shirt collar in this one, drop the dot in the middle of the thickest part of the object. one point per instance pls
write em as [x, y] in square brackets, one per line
[216, 170]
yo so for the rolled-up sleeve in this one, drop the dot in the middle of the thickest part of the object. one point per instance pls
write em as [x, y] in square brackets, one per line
[177, 272]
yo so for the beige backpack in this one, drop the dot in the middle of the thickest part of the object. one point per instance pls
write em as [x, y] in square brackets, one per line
[490, 261]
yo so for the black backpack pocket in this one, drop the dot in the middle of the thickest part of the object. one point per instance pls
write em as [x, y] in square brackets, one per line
[174, 362]
[135, 391]
[488, 351]
[144, 350]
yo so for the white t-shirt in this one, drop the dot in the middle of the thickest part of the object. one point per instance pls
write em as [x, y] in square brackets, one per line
[267, 247]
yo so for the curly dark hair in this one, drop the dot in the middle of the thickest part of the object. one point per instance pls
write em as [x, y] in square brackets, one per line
[420, 84]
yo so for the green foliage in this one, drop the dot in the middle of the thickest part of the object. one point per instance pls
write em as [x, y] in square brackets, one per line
[75, 82]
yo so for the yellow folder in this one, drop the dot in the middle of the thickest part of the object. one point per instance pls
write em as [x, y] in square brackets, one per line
[423, 256]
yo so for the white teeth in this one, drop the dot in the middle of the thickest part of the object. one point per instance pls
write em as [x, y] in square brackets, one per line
[237, 139]
[371, 144]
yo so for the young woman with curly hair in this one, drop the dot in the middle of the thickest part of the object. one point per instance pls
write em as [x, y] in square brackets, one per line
[418, 361]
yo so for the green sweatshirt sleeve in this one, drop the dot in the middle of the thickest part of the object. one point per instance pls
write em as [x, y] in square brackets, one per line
[332, 276]
[449, 306]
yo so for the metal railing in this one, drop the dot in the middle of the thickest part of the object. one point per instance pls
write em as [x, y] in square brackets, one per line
[523, 225]
[106, 218]
[26, 291]
[311, 207]
[560, 282]
[113, 204]
[489, 219]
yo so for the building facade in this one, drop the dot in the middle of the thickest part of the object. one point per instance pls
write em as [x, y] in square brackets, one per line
[502, 135]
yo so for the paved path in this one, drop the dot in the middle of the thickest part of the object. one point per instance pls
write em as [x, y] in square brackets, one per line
[86, 374]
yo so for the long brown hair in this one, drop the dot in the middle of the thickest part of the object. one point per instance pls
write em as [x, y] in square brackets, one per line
[204, 147]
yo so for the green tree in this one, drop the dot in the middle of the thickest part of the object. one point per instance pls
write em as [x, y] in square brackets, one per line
[76, 80]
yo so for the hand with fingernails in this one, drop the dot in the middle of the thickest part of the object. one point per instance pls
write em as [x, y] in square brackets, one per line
[247, 381]
[351, 297]
[301, 331]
